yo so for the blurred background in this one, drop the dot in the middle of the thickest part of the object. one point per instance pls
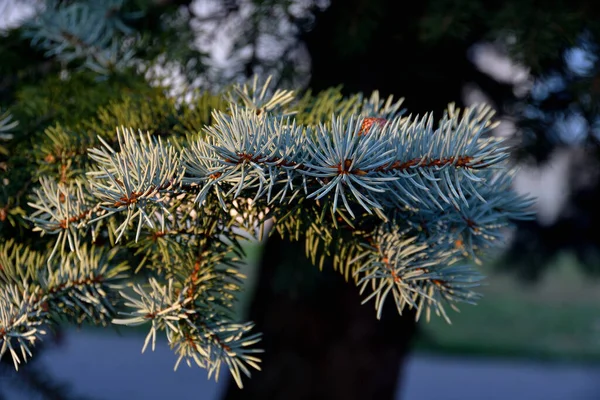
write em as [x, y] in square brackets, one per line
[536, 332]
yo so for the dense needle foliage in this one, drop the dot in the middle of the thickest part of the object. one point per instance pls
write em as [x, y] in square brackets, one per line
[142, 200]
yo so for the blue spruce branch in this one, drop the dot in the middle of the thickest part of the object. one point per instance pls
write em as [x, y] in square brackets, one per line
[399, 203]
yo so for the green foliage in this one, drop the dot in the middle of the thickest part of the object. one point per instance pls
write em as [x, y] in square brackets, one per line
[316, 109]
[198, 113]
[80, 94]
[49, 113]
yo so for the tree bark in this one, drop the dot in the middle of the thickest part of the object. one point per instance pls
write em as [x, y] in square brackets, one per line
[319, 341]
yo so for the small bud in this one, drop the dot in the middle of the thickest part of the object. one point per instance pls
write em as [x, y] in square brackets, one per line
[368, 122]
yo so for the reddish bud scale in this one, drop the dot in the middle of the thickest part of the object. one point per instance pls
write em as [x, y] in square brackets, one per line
[368, 123]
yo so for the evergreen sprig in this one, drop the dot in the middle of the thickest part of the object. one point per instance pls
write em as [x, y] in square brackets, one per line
[6, 126]
[135, 176]
[399, 203]
[38, 293]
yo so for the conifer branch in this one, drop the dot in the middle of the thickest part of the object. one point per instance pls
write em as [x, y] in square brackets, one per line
[398, 203]
[37, 294]
[85, 31]
[6, 126]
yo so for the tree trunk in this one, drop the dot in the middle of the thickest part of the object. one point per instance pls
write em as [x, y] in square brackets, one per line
[319, 341]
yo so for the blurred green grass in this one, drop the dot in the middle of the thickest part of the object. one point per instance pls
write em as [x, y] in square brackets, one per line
[557, 318]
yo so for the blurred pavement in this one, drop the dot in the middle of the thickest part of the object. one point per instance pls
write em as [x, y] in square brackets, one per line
[104, 366]
[461, 378]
